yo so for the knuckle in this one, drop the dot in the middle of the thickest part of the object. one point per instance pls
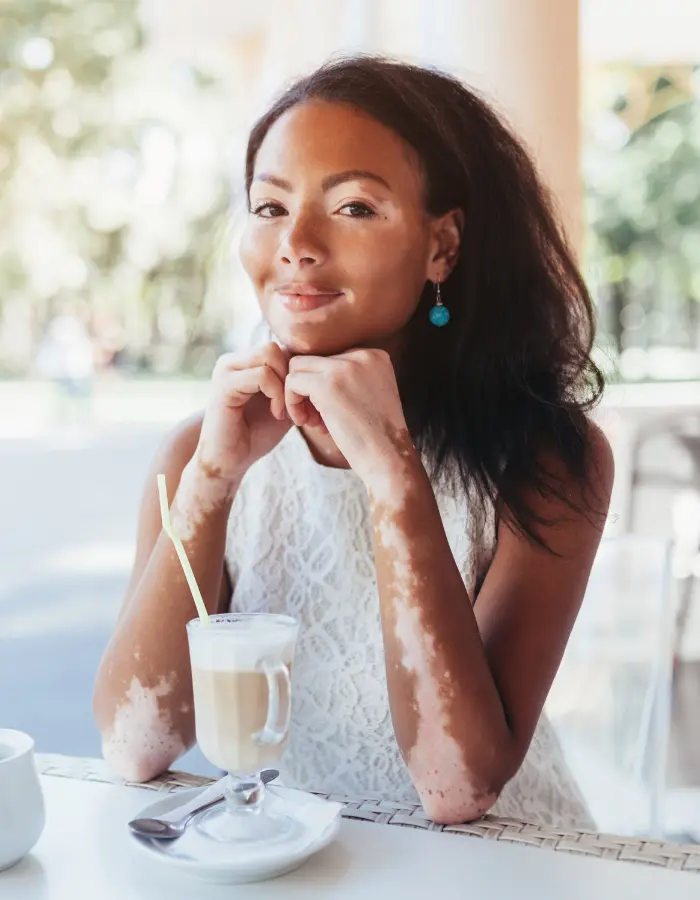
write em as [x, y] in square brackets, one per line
[223, 363]
[266, 378]
[271, 354]
[368, 357]
[336, 378]
[379, 356]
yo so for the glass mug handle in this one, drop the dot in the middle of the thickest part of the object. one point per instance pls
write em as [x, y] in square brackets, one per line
[274, 731]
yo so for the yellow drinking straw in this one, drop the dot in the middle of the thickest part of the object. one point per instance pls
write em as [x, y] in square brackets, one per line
[187, 568]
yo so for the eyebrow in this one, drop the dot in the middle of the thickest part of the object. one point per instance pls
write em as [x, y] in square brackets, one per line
[329, 182]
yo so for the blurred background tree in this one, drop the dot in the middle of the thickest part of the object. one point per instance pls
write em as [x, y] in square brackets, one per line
[114, 189]
[642, 168]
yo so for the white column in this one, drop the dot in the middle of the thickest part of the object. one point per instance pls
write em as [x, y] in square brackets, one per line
[358, 26]
[525, 55]
[302, 34]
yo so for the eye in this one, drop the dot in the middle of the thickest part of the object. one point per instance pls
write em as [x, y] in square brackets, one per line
[365, 211]
[258, 210]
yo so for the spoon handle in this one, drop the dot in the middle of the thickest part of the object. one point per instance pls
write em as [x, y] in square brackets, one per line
[195, 812]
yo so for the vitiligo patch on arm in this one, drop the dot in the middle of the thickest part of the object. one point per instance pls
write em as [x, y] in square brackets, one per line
[141, 739]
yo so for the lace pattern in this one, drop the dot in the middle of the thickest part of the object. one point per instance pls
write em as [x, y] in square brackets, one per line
[300, 542]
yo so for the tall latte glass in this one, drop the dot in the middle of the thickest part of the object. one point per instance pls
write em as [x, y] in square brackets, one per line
[241, 675]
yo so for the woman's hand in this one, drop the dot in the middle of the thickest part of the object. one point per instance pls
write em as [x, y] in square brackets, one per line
[353, 395]
[246, 414]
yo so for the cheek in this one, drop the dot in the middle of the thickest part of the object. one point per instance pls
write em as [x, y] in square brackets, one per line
[254, 254]
[388, 279]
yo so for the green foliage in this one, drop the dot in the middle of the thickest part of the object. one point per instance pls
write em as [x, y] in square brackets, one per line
[113, 185]
[643, 208]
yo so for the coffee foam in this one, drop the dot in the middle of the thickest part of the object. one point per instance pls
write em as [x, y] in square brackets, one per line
[242, 652]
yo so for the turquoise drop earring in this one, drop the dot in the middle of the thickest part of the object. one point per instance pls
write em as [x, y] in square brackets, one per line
[439, 314]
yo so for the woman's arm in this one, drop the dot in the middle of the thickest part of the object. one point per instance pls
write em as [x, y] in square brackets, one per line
[467, 685]
[143, 691]
[143, 694]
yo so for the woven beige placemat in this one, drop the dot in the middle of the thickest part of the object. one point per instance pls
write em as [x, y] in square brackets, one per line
[685, 857]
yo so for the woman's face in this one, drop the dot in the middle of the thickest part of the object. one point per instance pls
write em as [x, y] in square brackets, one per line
[338, 244]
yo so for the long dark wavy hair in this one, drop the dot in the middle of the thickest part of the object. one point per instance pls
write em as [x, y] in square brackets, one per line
[507, 385]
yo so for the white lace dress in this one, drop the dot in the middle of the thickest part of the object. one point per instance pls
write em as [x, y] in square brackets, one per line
[300, 542]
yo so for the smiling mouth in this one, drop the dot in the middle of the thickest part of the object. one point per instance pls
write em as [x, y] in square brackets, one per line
[306, 302]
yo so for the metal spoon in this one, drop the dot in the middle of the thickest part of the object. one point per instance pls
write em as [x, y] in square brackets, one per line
[168, 831]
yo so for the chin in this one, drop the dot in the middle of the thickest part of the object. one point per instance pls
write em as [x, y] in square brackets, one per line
[308, 342]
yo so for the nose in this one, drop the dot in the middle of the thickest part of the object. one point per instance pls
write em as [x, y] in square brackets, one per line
[301, 243]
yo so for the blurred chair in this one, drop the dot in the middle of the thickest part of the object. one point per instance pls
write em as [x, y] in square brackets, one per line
[679, 471]
[611, 701]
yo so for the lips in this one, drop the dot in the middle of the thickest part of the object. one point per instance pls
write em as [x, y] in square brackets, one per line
[309, 300]
[305, 288]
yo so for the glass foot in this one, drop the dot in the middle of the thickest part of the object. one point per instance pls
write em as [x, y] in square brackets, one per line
[247, 827]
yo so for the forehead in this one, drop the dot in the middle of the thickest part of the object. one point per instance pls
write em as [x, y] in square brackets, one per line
[317, 138]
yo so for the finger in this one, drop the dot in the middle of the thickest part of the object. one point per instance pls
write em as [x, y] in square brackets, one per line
[270, 354]
[310, 364]
[238, 387]
[314, 419]
[297, 389]
[278, 359]
[299, 412]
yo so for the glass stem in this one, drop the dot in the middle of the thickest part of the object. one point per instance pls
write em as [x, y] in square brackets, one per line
[244, 794]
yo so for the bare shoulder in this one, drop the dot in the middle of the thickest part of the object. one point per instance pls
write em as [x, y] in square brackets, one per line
[601, 462]
[173, 454]
[178, 446]
[175, 451]
[600, 465]
[577, 514]
[596, 486]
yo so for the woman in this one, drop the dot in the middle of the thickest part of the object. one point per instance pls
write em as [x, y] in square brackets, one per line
[409, 468]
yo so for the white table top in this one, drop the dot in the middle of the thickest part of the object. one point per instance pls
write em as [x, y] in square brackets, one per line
[86, 851]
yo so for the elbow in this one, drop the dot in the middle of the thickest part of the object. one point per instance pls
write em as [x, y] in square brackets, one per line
[448, 810]
[134, 761]
[456, 802]
[138, 744]
[141, 755]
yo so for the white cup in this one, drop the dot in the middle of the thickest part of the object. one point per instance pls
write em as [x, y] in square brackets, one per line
[21, 801]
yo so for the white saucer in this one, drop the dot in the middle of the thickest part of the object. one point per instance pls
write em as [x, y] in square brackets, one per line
[224, 863]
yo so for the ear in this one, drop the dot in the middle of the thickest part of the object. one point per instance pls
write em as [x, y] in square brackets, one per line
[446, 237]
